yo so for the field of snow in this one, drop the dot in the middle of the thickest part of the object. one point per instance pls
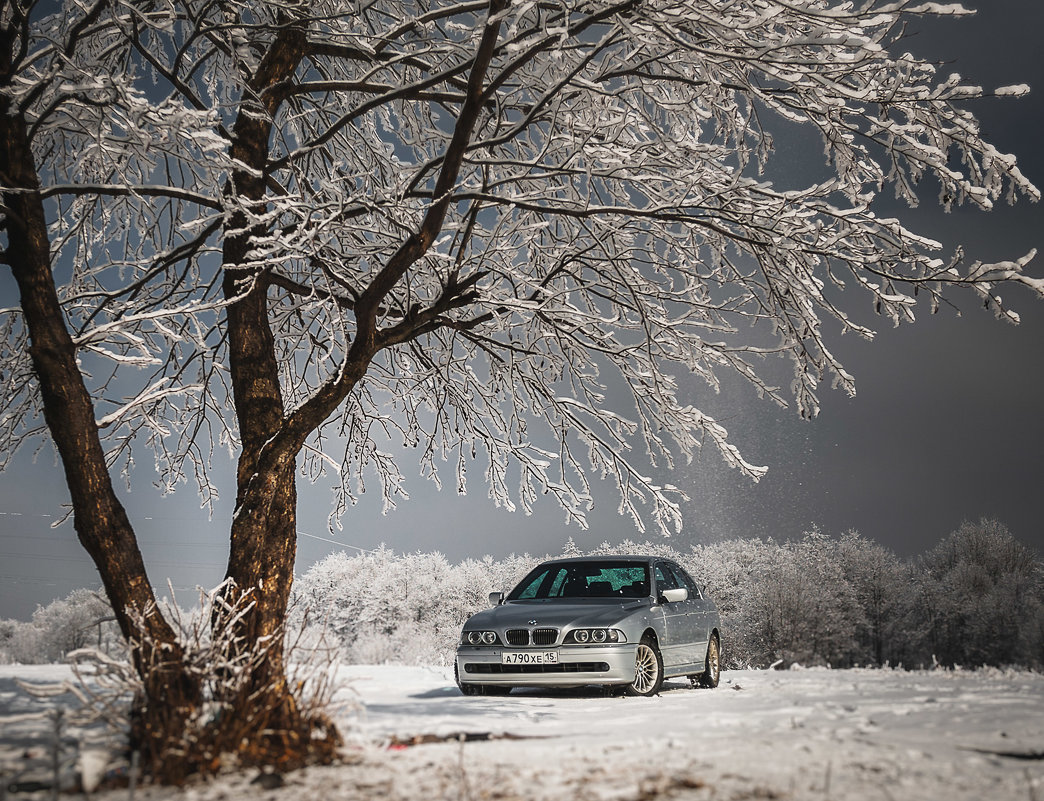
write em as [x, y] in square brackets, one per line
[797, 734]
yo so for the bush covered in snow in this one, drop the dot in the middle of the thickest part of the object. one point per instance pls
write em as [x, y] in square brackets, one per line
[975, 599]
[385, 607]
[82, 619]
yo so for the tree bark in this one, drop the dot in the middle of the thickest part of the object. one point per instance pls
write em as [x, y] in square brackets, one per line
[263, 540]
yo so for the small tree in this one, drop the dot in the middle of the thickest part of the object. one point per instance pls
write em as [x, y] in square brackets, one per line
[312, 233]
[77, 621]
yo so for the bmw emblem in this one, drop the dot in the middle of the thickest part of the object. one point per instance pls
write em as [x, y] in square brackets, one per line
[532, 622]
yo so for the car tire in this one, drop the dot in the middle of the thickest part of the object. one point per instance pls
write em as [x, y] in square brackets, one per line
[478, 689]
[648, 669]
[712, 670]
[465, 689]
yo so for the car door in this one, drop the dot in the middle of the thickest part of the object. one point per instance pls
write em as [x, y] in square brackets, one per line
[702, 612]
[680, 624]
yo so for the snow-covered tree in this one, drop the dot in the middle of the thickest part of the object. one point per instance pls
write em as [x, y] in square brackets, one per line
[80, 620]
[981, 595]
[408, 608]
[801, 607]
[317, 234]
[885, 591]
[730, 572]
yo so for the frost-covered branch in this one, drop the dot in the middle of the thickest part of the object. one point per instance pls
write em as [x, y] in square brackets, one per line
[507, 230]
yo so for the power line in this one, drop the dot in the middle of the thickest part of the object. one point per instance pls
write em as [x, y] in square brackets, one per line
[335, 542]
[133, 517]
[144, 541]
[39, 580]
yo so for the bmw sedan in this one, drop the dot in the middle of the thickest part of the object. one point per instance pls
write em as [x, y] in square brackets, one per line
[624, 622]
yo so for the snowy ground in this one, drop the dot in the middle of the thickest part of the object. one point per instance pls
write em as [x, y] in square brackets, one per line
[799, 734]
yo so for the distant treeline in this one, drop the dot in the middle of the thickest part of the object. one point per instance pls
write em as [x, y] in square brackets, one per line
[976, 598]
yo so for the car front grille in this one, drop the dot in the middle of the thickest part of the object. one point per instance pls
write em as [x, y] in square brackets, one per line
[518, 637]
[536, 637]
[562, 667]
[545, 636]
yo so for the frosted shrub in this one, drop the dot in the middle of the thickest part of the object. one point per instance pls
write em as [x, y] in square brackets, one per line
[226, 679]
[22, 643]
[385, 607]
[83, 618]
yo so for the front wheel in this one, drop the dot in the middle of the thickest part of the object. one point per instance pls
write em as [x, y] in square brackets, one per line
[648, 669]
[465, 689]
[478, 689]
[712, 669]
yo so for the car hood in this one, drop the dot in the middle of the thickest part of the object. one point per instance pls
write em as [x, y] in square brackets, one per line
[550, 614]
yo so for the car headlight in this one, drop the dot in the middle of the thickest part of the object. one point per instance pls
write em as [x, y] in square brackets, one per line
[595, 636]
[479, 638]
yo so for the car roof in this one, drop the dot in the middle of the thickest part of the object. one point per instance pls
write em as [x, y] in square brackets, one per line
[608, 558]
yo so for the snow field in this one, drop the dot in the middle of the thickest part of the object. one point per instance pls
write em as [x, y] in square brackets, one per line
[840, 734]
[844, 735]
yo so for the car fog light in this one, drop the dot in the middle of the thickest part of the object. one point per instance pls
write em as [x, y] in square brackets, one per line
[489, 637]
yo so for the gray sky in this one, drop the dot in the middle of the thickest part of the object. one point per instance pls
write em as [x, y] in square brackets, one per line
[947, 425]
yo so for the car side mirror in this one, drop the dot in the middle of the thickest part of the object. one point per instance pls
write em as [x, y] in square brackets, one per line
[675, 596]
[496, 598]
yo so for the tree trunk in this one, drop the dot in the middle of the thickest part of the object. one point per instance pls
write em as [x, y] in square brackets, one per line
[263, 540]
[171, 695]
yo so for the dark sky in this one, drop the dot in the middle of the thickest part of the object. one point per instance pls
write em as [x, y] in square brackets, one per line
[947, 425]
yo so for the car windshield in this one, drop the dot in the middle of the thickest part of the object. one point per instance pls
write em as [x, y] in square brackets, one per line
[584, 580]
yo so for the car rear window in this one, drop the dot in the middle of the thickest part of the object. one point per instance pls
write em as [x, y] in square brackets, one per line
[584, 580]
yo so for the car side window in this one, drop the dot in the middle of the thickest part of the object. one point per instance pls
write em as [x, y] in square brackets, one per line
[665, 578]
[688, 583]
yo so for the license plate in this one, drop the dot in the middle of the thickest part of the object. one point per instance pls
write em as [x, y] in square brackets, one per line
[529, 657]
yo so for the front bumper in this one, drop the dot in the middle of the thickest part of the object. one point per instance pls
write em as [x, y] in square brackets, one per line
[576, 666]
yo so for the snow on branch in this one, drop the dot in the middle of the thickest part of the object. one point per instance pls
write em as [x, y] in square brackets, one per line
[531, 235]
[148, 397]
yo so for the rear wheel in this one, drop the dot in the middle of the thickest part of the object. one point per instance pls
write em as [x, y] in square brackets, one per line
[648, 669]
[712, 671]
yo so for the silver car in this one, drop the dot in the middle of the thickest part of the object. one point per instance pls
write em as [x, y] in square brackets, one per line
[619, 621]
